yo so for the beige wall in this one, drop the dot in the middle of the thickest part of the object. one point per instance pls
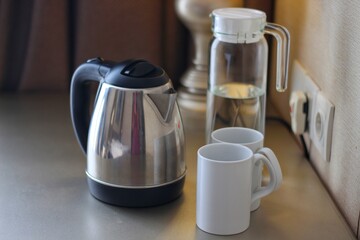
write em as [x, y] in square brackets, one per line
[326, 41]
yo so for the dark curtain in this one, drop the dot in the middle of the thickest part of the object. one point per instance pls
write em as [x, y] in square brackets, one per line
[43, 41]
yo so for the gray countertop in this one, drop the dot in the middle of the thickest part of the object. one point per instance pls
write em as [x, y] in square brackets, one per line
[44, 195]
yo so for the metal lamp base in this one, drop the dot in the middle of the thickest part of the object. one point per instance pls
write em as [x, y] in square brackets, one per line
[192, 93]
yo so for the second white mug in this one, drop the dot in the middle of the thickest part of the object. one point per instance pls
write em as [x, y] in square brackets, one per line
[254, 140]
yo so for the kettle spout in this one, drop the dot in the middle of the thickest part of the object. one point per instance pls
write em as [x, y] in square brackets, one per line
[164, 103]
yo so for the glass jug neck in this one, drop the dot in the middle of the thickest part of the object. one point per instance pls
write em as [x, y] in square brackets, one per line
[239, 38]
[243, 25]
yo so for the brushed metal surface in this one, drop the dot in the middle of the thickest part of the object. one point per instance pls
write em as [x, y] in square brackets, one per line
[136, 137]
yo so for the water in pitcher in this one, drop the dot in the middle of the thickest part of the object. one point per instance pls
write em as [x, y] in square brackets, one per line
[236, 105]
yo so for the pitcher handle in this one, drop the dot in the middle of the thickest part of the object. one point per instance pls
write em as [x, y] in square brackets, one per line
[282, 36]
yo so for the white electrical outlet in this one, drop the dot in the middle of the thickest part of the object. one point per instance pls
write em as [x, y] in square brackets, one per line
[320, 112]
[322, 125]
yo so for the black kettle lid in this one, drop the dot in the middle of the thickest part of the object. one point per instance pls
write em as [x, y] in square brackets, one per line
[136, 74]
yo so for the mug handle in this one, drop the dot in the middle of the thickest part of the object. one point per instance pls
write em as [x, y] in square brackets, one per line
[274, 173]
[269, 154]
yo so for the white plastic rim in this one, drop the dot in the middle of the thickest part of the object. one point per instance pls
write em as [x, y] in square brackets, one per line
[238, 25]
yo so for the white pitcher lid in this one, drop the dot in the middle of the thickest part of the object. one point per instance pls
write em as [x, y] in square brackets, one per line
[238, 25]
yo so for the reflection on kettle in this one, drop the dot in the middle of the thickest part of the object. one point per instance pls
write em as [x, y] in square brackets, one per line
[134, 141]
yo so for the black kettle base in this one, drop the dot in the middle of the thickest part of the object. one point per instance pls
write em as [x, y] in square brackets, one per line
[136, 197]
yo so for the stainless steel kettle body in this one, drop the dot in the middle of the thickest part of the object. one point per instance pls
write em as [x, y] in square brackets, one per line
[135, 139]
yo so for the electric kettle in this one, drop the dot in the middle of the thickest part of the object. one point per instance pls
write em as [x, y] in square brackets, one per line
[134, 140]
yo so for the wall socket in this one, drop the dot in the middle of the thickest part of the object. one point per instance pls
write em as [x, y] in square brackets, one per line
[320, 112]
[322, 124]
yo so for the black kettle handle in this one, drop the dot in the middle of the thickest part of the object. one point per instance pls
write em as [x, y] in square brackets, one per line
[93, 70]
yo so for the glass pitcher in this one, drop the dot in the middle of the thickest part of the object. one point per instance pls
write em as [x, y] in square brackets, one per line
[236, 94]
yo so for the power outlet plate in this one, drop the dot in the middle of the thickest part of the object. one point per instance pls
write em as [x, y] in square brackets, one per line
[322, 125]
[320, 114]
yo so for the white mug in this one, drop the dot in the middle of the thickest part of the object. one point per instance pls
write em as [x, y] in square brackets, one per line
[254, 140]
[224, 194]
